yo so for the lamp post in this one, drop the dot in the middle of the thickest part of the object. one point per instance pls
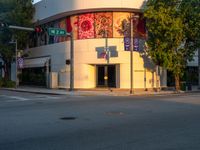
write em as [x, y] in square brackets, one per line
[133, 29]
[16, 71]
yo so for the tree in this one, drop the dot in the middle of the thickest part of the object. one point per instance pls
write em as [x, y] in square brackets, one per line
[19, 13]
[173, 32]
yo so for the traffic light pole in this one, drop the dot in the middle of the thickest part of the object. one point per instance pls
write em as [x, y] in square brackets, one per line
[21, 28]
[16, 67]
[72, 61]
[199, 66]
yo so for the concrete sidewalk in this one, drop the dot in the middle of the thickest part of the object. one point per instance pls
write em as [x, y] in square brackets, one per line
[95, 92]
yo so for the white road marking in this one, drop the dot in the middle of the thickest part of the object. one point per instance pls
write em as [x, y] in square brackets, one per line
[42, 97]
[19, 98]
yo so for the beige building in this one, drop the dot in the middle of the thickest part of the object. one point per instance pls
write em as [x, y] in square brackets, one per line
[99, 30]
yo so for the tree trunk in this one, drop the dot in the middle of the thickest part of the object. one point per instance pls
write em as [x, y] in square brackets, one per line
[177, 82]
[7, 71]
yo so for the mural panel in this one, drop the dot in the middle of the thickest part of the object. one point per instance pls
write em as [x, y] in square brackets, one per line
[121, 24]
[62, 25]
[86, 26]
[74, 24]
[103, 21]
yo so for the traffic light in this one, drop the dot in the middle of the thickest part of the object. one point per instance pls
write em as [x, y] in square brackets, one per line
[38, 29]
[3, 25]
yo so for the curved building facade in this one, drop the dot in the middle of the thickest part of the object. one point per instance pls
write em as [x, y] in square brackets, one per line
[103, 34]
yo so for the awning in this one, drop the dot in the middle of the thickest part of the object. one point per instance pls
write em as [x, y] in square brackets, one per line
[35, 62]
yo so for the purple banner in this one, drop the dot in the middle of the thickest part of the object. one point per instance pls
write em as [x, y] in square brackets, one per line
[127, 43]
[136, 44]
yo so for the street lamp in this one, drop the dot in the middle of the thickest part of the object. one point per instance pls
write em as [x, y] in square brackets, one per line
[16, 71]
[133, 30]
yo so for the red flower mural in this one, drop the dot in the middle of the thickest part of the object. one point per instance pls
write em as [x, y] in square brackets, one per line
[86, 26]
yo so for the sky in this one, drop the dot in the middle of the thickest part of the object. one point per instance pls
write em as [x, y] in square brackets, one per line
[35, 1]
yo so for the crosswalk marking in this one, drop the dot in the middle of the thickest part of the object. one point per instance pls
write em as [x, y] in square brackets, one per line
[19, 98]
[9, 98]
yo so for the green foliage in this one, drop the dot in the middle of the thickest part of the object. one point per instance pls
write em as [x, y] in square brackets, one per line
[18, 13]
[173, 32]
[7, 83]
[1, 82]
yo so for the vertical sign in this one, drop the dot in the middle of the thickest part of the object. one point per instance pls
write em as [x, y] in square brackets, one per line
[127, 43]
[20, 62]
[136, 44]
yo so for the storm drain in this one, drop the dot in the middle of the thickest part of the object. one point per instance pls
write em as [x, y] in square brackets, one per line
[68, 118]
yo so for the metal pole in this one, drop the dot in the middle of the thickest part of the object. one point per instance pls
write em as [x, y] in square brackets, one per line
[107, 58]
[47, 75]
[145, 79]
[106, 47]
[131, 58]
[72, 62]
[16, 71]
[20, 28]
[199, 65]
[131, 51]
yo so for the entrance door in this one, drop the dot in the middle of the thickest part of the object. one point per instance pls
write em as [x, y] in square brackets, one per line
[106, 76]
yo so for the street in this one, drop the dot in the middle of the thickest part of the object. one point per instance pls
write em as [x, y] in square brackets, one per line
[71, 122]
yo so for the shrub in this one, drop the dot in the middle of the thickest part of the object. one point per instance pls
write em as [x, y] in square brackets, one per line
[9, 84]
[1, 82]
[6, 83]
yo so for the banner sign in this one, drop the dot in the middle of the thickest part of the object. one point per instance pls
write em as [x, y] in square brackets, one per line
[127, 43]
[20, 62]
[136, 44]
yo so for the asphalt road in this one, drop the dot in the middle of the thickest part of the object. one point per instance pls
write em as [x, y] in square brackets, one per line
[47, 122]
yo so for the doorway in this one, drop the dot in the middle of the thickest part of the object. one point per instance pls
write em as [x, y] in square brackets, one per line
[106, 76]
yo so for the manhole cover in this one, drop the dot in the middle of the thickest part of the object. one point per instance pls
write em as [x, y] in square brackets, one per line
[68, 118]
[116, 113]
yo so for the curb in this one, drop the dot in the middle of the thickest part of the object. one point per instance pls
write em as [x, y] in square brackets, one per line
[85, 93]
